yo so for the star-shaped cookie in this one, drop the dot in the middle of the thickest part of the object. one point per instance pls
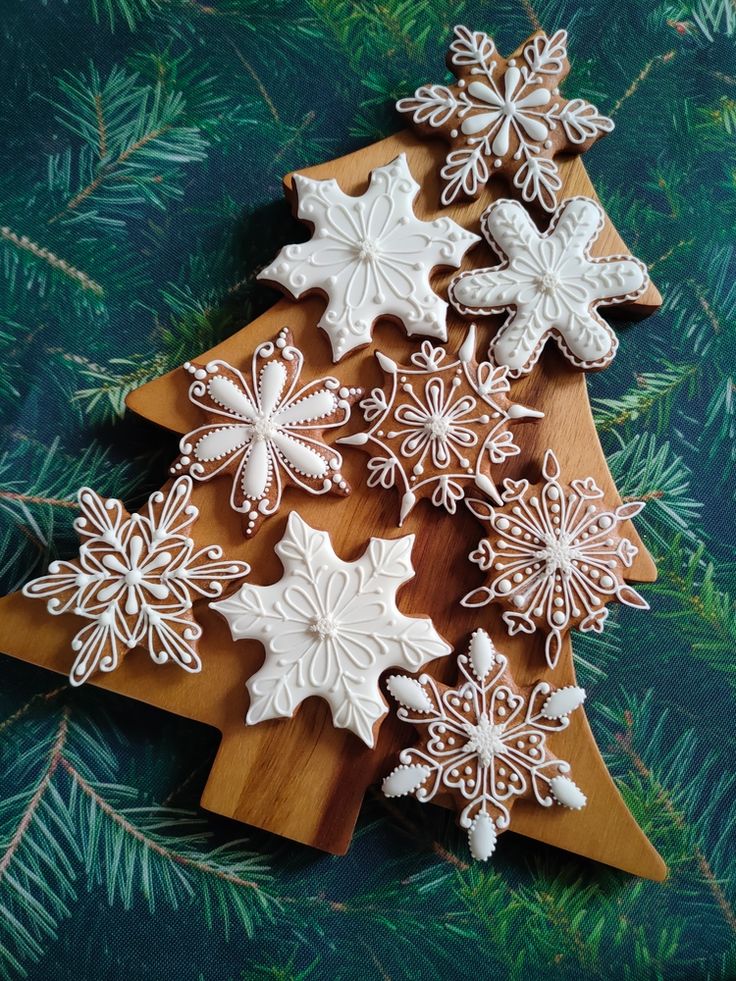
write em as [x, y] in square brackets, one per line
[371, 257]
[505, 116]
[265, 432]
[550, 285]
[135, 581]
[330, 628]
[553, 557]
[484, 743]
[441, 427]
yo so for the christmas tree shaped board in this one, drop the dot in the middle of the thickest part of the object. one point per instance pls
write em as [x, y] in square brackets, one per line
[302, 777]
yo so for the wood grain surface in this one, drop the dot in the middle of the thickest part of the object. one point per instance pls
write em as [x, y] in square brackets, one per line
[300, 777]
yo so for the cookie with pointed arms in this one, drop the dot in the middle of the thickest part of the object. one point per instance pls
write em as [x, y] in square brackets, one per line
[441, 427]
[371, 257]
[135, 581]
[554, 557]
[505, 116]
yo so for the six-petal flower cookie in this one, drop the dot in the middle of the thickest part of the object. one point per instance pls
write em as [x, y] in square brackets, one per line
[505, 116]
[371, 257]
[550, 284]
[135, 581]
[554, 558]
[330, 628]
[484, 743]
[440, 428]
[266, 432]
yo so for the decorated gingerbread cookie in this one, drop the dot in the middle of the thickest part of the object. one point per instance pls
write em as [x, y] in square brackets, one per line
[554, 558]
[440, 427]
[330, 628]
[265, 432]
[549, 284]
[484, 743]
[505, 116]
[371, 257]
[135, 581]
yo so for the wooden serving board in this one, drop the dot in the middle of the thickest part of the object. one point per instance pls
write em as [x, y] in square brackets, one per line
[300, 777]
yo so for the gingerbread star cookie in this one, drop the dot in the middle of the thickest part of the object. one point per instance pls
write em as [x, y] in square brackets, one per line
[505, 116]
[371, 257]
[265, 432]
[135, 580]
[484, 743]
[441, 426]
[553, 557]
[549, 284]
[330, 628]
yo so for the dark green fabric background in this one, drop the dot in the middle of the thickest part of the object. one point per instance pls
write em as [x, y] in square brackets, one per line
[125, 249]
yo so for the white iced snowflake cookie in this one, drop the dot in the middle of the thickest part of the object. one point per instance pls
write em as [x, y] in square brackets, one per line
[553, 558]
[483, 743]
[370, 256]
[330, 628]
[440, 428]
[265, 432]
[549, 284]
[135, 581]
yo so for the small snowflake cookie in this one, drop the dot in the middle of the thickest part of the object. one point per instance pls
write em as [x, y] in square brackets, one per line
[554, 559]
[331, 628]
[549, 284]
[505, 116]
[484, 743]
[135, 581]
[266, 432]
[440, 428]
[370, 256]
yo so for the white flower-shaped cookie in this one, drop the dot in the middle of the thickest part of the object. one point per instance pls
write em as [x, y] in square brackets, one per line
[550, 284]
[370, 256]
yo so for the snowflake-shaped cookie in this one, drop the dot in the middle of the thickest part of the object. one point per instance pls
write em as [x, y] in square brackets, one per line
[135, 581]
[550, 284]
[330, 628]
[554, 559]
[483, 742]
[265, 433]
[505, 116]
[370, 256]
[440, 428]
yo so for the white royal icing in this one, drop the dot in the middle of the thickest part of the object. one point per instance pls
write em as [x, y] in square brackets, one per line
[330, 628]
[371, 256]
[523, 102]
[554, 557]
[458, 435]
[484, 741]
[550, 284]
[135, 581]
[264, 427]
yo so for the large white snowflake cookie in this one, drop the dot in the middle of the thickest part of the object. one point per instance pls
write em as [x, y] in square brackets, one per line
[550, 285]
[441, 426]
[505, 116]
[484, 742]
[266, 431]
[554, 557]
[330, 628]
[370, 256]
[135, 581]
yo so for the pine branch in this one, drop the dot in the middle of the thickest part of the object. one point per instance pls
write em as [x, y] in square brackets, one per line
[646, 471]
[691, 792]
[133, 139]
[654, 394]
